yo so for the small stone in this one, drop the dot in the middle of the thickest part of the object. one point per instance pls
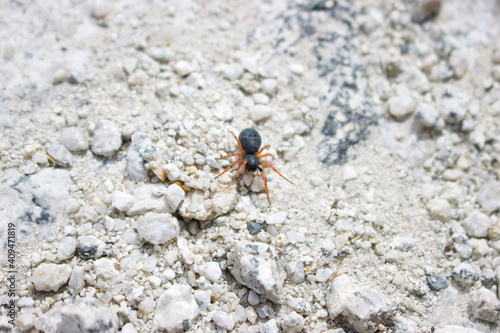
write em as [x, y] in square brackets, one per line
[349, 173]
[176, 309]
[459, 62]
[76, 281]
[60, 75]
[484, 305]
[439, 209]
[160, 54]
[453, 106]
[260, 98]
[104, 268]
[87, 315]
[495, 73]
[462, 245]
[260, 113]
[269, 86]
[223, 112]
[90, 247]
[269, 327]
[157, 228]
[323, 274]
[100, 9]
[425, 9]
[128, 328]
[137, 78]
[122, 201]
[296, 69]
[129, 65]
[464, 275]
[173, 172]
[436, 282]
[233, 71]
[401, 106]
[211, 271]
[50, 277]
[67, 248]
[174, 196]
[296, 272]
[223, 320]
[61, 154]
[256, 265]
[140, 149]
[74, 138]
[277, 218]
[107, 138]
[488, 196]
[361, 307]
[183, 68]
[293, 323]
[427, 115]
[477, 224]
[254, 228]
[149, 198]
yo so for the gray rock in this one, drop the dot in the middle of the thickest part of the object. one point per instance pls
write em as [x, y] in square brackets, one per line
[89, 247]
[425, 9]
[50, 277]
[254, 227]
[140, 149]
[361, 307]
[477, 224]
[157, 228]
[488, 196]
[176, 309]
[257, 266]
[107, 138]
[484, 305]
[464, 275]
[61, 154]
[462, 245]
[74, 138]
[436, 282]
[87, 315]
[453, 106]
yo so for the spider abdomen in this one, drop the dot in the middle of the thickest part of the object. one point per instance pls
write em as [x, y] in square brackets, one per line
[250, 140]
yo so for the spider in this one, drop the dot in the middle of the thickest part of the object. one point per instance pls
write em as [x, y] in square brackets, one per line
[249, 143]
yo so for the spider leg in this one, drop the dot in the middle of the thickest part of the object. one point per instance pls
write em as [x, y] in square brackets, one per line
[239, 144]
[232, 165]
[272, 167]
[241, 168]
[235, 154]
[261, 156]
[265, 184]
[261, 149]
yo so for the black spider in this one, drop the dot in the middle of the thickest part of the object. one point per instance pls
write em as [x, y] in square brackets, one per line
[249, 143]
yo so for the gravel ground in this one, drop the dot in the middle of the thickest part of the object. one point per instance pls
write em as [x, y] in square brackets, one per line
[383, 114]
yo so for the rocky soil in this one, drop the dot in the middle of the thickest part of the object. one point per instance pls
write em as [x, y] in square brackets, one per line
[385, 115]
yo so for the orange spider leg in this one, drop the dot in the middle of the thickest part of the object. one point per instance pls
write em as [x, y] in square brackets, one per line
[239, 144]
[261, 156]
[241, 168]
[235, 154]
[272, 167]
[232, 165]
[265, 184]
[261, 149]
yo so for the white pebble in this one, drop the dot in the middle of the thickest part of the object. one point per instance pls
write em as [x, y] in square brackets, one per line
[349, 173]
[157, 228]
[74, 138]
[224, 320]
[107, 138]
[277, 218]
[50, 277]
[173, 172]
[323, 274]
[122, 201]
[60, 154]
[439, 209]
[67, 248]
[401, 106]
[183, 68]
[269, 86]
[174, 196]
[211, 271]
[176, 308]
[477, 224]
[296, 69]
[260, 113]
